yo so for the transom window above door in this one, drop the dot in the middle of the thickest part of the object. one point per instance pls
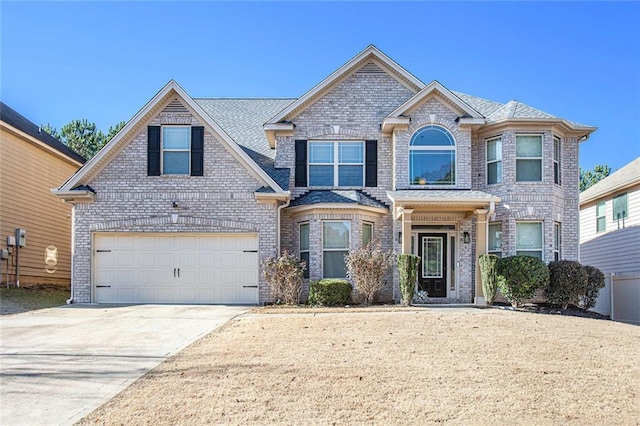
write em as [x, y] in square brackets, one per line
[432, 157]
[336, 164]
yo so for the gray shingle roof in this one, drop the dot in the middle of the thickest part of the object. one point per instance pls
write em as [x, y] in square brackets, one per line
[625, 177]
[17, 120]
[337, 197]
[242, 119]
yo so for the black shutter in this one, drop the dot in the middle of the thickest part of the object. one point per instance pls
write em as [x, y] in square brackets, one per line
[301, 163]
[197, 151]
[153, 151]
[371, 164]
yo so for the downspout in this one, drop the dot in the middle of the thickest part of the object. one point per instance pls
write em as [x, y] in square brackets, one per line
[73, 249]
[279, 210]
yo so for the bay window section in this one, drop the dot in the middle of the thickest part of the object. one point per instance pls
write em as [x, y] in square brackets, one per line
[529, 239]
[432, 157]
[304, 247]
[494, 161]
[529, 158]
[495, 239]
[557, 176]
[335, 245]
[336, 164]
[557, 241]
[367, 233]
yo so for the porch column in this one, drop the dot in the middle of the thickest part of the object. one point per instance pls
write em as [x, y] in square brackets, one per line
[481, 248]
[406, 231]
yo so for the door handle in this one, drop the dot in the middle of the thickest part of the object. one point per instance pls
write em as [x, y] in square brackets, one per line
[178, 272]
[174, 272]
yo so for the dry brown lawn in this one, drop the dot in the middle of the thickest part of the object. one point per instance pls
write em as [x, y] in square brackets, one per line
[461, 366]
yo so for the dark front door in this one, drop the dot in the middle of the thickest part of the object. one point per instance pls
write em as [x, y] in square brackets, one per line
[432, 275]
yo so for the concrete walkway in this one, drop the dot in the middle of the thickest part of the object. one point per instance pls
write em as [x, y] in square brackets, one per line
[57, 365]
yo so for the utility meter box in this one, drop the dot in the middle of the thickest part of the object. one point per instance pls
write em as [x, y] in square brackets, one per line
[4, 254]
[11, 241]
[21, 237]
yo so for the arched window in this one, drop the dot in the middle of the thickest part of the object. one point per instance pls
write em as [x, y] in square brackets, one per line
[432, 157]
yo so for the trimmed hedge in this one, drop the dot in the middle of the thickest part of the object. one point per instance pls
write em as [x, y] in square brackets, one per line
[522, 276]
[567, 282]
[329, 292]
[408, 273]
[595, 281]
[488, 267]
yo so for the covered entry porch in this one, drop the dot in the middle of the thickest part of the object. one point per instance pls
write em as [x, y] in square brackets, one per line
[447, 229]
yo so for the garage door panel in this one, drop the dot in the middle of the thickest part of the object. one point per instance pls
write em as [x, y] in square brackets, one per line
[139, 268]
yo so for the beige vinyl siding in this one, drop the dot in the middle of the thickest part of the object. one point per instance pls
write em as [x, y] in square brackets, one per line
[588, 214]
[27, 174]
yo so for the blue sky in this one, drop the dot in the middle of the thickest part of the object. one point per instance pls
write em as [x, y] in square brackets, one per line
[104, 60]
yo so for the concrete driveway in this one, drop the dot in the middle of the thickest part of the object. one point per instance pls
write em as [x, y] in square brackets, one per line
[57, 365]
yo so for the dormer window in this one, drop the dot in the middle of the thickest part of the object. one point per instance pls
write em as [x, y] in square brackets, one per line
[432, 157]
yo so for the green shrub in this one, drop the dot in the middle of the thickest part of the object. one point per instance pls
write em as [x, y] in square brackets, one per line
[329, 292]
[521, 277]
[593, 284]
[367, 267]
[284, 275]
[488, 266]
[567, 283]
[408, 272]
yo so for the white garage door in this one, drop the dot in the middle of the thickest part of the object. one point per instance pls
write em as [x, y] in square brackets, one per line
[187, 268]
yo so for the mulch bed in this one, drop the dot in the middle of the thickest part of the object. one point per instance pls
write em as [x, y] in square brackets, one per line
[548, 309]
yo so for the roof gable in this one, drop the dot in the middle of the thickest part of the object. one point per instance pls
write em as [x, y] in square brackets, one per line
[363, 60]
[164, 98]
[430, 90]
[625, 177]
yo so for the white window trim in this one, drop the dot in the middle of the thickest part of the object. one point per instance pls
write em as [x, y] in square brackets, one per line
[489, 250]
[163, 150]
[308, 250]
[336, 163]
[604, 215]
[348, 222]
[541, 158]
[362, 225]
[558, 160]
[453, 148]
[541, 250]
[487, 161]
[557, 242]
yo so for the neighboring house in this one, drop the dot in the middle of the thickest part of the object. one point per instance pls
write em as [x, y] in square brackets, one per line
[190, 196]
[610, 226]
[31, 162]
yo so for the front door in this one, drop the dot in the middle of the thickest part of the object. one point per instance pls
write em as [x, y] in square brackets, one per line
[432, 276]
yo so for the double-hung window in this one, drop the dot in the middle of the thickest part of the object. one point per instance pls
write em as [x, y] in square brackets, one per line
[494, 161]
[529, 158]
[336, 164]
[304, 247]
[620, 210]
[176, 150]
[601, 216]
[335, 245]
[557, 241]
[557, 173]
[432, 157]
[495, 239]
[529, 239]
[367, 233]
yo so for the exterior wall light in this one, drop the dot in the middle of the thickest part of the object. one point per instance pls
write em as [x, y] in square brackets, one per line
[466, 237]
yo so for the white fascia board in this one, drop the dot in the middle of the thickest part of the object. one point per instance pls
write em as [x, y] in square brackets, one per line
[390, 124]
[337, 74]
[428, 90]
[273, 129]
[75, 196]
[471, 121]
[272, 196]
[336, 206]
[557, 121]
